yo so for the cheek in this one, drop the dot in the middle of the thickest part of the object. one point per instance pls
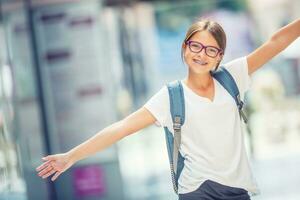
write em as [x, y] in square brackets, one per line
[187, 56]
[215, 61]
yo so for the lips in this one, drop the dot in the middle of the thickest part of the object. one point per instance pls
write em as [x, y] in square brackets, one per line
[200, 62]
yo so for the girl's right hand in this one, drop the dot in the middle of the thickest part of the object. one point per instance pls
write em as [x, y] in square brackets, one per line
[57, 164]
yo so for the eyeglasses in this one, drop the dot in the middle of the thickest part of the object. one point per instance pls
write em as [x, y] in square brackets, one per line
[197, 47]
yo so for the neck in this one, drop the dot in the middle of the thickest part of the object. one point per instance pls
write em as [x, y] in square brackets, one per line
[199, 81]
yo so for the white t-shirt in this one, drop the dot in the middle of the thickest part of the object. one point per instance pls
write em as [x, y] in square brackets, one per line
[212, 139]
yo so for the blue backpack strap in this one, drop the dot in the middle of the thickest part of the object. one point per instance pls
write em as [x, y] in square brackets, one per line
[228, 82]
[177, 109]
[176, 98]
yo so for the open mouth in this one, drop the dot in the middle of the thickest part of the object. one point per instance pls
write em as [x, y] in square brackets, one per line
[200, 62]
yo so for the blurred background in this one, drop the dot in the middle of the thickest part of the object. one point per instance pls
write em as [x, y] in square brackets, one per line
[69, 68]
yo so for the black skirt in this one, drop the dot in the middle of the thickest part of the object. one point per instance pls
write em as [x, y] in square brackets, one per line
[210, 190]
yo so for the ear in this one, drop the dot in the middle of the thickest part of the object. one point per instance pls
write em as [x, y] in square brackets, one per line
[183, 49]
[220, 56]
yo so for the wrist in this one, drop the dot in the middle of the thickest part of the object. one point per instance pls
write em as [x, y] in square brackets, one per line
[72, 155]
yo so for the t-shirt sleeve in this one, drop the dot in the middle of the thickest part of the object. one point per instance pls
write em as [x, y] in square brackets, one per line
[238, 68]
[158, 106]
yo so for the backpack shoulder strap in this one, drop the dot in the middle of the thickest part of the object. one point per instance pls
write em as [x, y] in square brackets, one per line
[228, 82]
[177, 109]
[176, 98]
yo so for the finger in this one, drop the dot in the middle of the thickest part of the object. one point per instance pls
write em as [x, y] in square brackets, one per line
[49, 173]
[45, 170]
[55, 176]
[42, 166]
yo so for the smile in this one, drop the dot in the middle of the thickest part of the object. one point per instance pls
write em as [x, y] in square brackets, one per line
[200, 62]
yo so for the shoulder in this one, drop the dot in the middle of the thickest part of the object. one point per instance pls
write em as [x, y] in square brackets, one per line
[158, 106]
[237, 65]
[238, 68]
[163, 92]
[159, 97]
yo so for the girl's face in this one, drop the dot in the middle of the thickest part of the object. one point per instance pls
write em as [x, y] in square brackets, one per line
[202, 53]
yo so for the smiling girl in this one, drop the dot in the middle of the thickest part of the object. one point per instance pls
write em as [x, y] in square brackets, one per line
[216, 165]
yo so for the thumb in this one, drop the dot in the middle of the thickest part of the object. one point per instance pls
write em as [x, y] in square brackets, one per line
[49, 157]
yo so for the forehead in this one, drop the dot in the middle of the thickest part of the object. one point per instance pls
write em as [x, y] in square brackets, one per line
[205, 38]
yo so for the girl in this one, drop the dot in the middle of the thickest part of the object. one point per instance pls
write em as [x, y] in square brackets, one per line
[216, 165]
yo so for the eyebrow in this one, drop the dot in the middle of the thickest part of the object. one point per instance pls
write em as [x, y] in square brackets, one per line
[205, 44]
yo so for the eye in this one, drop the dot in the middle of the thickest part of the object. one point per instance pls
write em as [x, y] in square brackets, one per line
[195, 45]
[212, 50]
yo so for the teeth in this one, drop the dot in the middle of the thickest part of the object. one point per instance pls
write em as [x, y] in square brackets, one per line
[200, 62]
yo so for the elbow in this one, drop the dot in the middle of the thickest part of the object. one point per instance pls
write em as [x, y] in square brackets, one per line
[122, 128]
[276, 39]
[116, 129]
[278, 42]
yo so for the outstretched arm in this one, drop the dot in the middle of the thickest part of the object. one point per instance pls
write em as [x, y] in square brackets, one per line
[278, 42]
[59, 163]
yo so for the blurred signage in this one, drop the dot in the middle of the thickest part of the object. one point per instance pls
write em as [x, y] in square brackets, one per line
[89, 181]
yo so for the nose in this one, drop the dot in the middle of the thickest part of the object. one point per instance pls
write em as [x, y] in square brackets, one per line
[202, 53]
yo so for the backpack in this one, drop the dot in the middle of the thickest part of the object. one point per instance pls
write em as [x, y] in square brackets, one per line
[177, 109]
